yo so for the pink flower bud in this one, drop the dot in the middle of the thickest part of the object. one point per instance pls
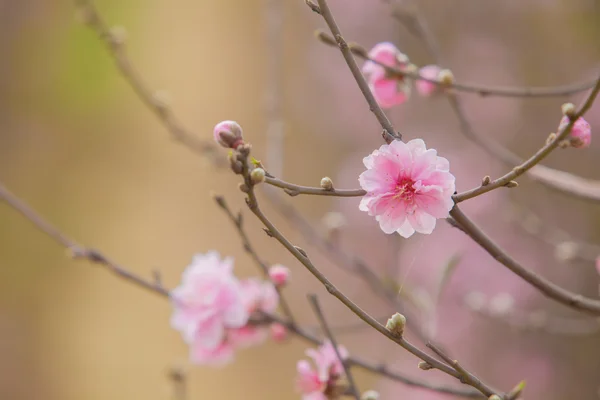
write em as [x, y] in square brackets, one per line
[581, 133]
[278, 332]
[228, 134]
[279, 274]
[426, 88]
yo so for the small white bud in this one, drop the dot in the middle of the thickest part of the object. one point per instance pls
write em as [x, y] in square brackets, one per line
[396, 324]
[566, 251]
[446, 77]
[327, 183]
[568, 109]
[257, 175]
[370, 395]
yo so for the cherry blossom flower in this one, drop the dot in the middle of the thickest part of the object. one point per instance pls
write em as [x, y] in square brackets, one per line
[315, 383]
[257, 296]
[389, 90]
[279, 274]
[228, 134]
[426, 88]
[408, 187]
[207, 303]
[581, 133]
[216, 357]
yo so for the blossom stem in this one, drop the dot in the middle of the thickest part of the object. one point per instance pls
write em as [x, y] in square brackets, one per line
[536, 158]
[390, 133]
[314, 302]
[481, 90]
[294, 190]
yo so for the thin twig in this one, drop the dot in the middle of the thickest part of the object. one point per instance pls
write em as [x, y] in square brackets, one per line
[95, 257]
[76, 250]
[549, 289]
[294, 190]
[390, 132]
[481, 90]
[248, 248]
[321, 317]
[161, 110]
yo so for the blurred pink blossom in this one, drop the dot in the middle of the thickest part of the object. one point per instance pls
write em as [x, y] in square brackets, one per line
[581, 133]
[218, 356]
[279, 274]
[206, 303]
[258, 296]
[329, 368]
[598, 265]
[388, 90]
[426, 88]
[407, 186]
[228, 134]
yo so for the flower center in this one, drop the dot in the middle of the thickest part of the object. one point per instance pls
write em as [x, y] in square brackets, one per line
[405, 190]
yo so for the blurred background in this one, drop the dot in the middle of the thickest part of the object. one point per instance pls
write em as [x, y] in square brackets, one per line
[84, 151]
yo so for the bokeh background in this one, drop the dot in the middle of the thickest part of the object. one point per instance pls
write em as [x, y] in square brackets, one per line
[80, 147]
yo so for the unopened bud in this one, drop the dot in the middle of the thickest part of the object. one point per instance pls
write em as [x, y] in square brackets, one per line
[278, 332]
[568, 109]
[243, 187]
[425, 366]
[370, 395]
[516, 391]
[396, 324]
[257, 175]
[228, 134]
[161, 100]
[279, 275]
[494, 397]
[550, 138]
[327, 183]
[512, 184]
[486, 180]
[446, 77]
[118, 35]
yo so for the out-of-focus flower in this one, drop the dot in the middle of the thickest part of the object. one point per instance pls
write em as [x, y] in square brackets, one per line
[206, 303]
[581, 133]
[426, 88]
[228, 134]
[598, 264]
[217, 357]
[313, 384]
[408, 187]
[279, 274]
[257, 296]
[388, 89]
[278, 332]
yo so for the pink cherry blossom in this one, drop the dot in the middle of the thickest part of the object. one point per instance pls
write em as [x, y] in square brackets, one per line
[313, 383]
[206, 303]
[388, 90]
[581, 133]
[228, 134]
[216, 357]
[327, 362]
[426, 88]
[308, 382]
[257, 296]
[279, 274]
[408, 187]
[278, 332]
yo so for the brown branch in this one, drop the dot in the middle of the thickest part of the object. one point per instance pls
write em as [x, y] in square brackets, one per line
[118, 52]
[295, 190]
[242, 154]
[549, 289]
[248, 248]
[321, 317]
[390, 133]
[76, 250]
[536, 158]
